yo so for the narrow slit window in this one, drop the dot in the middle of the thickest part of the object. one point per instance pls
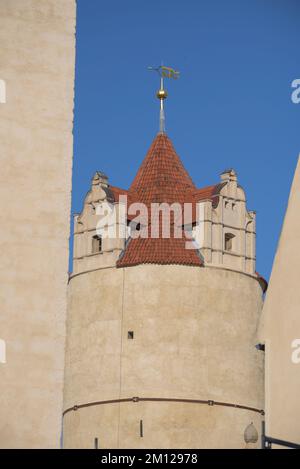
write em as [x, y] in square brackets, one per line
[228, 241]
[141, 429]
[96, 244]
[130, 335]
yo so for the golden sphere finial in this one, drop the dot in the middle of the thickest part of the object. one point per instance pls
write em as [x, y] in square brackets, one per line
[161, 94]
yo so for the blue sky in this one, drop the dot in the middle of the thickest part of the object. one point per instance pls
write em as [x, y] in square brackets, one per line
[231, 106]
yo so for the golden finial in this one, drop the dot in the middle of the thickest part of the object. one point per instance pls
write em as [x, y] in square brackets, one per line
[162, 94]
[164, 72]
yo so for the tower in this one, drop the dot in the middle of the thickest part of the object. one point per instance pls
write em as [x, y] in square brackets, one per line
[161, 330]
[36, 147]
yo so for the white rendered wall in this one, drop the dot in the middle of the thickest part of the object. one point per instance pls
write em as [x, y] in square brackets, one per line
[37, 57]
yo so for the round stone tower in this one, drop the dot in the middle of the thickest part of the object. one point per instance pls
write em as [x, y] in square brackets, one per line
[161, 328]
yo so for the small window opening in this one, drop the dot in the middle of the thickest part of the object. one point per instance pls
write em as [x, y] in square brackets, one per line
[228, 241]
[130, 335]
[138, 227]
[226, 204]
[260, 347]
[96, 244]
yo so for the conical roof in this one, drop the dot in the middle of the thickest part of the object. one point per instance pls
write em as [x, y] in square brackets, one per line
[161, 178]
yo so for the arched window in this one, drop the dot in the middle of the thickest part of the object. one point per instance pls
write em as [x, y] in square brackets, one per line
[96, 244]
[228, 241]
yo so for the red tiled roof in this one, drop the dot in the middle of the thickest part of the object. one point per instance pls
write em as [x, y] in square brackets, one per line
[161, 178]
[117, 192]
[158, 251]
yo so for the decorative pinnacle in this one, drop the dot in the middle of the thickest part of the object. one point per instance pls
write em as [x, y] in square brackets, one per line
[164, 72]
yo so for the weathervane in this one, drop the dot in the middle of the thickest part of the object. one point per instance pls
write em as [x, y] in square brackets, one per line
[164, 72]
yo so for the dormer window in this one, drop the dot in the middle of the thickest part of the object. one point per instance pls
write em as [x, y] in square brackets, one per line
[228, 241]
[133, 229]
[96, 244]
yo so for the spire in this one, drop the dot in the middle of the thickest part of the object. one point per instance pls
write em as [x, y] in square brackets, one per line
[162, 95]
[161, 176]
[164, 72]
